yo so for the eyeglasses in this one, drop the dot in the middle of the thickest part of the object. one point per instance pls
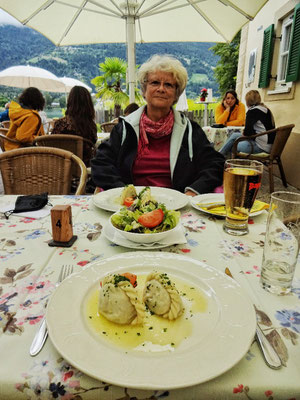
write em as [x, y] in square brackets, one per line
[166, 85]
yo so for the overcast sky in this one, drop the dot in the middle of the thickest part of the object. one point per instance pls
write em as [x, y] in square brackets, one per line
[7, 19]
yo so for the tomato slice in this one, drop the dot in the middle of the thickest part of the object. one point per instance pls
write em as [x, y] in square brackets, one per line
[131, 277]
[152, 218]
[128, 201]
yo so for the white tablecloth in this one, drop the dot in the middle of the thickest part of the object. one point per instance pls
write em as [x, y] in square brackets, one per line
[29, 269]
[219, 136]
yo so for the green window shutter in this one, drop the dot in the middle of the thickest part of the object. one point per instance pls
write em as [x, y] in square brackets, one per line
[293, 68]
[266, 57]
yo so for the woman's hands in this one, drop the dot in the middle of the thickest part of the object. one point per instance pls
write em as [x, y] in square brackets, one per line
[190, 193]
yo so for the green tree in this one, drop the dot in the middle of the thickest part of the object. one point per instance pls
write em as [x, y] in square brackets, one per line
[226, 68]
[112, 83]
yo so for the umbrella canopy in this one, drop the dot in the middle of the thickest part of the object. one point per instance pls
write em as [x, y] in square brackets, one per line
[71, 82]
[24, 76]
[115, 21]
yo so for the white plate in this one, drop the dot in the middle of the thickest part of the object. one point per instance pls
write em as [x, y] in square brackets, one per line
[108, 200]
[220, 338]
[213, 198]
[176, 237]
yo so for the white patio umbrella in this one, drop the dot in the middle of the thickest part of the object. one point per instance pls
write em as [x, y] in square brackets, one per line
[71, 82]
[182, 104]
[24, 76]
[115, 21]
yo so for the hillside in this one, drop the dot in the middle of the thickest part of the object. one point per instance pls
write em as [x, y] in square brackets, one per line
[82, 62]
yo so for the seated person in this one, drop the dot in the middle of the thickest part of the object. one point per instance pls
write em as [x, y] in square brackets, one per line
[157, 145]
[25, 122]
[79, 120]
[128, 110]
[4, 115]
[258, 119]
[231, 112]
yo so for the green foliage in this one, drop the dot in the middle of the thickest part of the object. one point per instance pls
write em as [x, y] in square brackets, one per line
[112, 83]
[3, 100]
[226, 68]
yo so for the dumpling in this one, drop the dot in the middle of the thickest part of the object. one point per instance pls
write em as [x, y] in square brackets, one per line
[119, 301]
[128, 191]
[161, 296]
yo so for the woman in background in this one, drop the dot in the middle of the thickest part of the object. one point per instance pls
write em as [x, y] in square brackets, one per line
[25, 121]
[258, 119]
[231, 112]
[79, 120]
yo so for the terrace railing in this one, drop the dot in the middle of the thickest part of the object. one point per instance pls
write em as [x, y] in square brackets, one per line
[196, 115]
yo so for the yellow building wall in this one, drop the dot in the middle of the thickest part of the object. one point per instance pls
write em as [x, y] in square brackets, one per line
[285, 106]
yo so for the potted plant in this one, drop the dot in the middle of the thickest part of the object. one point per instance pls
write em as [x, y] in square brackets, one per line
[203, 94]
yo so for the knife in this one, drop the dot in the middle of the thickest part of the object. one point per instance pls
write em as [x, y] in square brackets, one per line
[271, 357]
[39, 339]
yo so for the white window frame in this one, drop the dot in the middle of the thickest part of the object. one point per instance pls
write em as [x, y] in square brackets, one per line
[281, 86]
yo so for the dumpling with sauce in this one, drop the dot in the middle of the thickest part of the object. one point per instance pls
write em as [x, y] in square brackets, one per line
[119, 300]
[161, 296]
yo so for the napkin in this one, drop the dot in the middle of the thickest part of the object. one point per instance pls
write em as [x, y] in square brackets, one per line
[43, 212]
[175, 237]
[220, 208]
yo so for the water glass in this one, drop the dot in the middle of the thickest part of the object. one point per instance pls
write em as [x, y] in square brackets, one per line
[282, 240]
[242, 179]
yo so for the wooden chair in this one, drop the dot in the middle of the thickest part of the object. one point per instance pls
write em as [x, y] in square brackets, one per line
[4, 138]
[282, 135]
[108, 126]
[36, 170]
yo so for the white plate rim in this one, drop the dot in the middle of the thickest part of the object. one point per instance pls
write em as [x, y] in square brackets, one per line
[66, 327]
[214, 197]
[100, 199]
[109, 234]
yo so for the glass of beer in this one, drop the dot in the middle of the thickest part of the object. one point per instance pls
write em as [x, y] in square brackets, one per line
[242, 179]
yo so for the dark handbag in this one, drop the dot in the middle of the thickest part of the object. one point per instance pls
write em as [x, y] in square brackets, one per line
[218, 126]
[28, 203]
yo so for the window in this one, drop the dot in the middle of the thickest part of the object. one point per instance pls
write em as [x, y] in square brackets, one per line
[288, 63]
[286, 34]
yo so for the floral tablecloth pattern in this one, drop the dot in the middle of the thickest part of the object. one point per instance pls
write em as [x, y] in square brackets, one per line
[218, 136]
[29, 269]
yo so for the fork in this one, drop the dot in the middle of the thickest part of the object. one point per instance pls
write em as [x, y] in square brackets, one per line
[42, 333]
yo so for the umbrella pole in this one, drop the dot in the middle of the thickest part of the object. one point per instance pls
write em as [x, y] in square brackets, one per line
[130, 32]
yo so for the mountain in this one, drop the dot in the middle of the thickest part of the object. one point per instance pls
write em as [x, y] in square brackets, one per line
[22, 45]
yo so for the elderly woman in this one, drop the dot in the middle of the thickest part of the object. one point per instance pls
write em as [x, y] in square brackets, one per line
[25, 121]
[157, 145]
[231, 112]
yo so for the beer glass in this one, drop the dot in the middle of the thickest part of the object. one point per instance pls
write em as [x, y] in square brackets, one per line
[242, 179]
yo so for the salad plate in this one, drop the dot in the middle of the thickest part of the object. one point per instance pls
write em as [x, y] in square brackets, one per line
[220, 336]
[109, 199]
[202, 200]
[175, 237]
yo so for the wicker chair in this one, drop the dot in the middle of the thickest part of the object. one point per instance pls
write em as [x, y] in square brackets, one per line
[5, 124]
[71, 143]
[35, 170]
[282, 135]
[4, 138]
[108, 126]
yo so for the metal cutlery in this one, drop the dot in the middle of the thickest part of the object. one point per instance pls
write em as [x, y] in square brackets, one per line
[42, 333]
[270, 355]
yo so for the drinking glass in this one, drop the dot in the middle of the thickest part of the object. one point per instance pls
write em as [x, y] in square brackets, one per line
[242, 179]
[281, 243]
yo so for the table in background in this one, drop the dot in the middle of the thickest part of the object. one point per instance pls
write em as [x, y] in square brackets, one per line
[29, 269]
[219, 136]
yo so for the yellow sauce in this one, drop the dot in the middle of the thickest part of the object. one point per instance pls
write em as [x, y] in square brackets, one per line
[156, 330]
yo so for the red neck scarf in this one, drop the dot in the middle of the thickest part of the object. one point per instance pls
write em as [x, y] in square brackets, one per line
[158, 129]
